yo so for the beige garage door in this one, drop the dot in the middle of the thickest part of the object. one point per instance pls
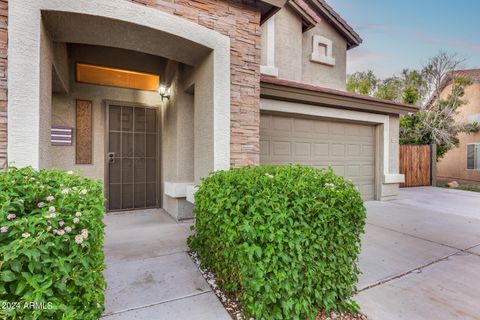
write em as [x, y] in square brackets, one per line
[349, 148]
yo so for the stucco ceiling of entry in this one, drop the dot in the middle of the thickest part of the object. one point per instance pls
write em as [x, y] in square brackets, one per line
[88, 29]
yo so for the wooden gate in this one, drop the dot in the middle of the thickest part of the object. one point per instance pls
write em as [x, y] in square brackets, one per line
[416, 165]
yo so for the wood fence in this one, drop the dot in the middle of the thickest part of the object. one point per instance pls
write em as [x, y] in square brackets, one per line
[417, 163]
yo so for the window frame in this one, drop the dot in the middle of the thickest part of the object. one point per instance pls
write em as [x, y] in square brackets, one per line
[476, 160]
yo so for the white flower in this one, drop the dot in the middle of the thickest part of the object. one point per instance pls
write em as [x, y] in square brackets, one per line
[51, 216]
[25, 234]
[70, 172]
[49, 228]
[3, 229]
[40, 204]
[54, 231]
[83, 191]
[65, 191]
[60, 232]
[269, 175]
[50, 198]
[74, 188]
[78, 238]
[52, 209]
[11, 216]
[78, 214]
[64, 239]
[76, 220]
[85, 233]
[68, 229]
[329, 185]
[61, 223]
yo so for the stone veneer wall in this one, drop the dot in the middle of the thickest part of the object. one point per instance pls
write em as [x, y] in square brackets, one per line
[3, 81]
[238, 21]
[241, 23]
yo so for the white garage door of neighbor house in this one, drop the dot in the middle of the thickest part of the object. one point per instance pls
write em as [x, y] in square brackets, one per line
[348, 147]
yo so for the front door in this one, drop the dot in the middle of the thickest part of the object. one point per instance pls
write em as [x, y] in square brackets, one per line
[131, 157]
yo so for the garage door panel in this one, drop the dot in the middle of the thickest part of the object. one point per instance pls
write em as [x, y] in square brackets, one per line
[338, 149]
[367, 191]
[264, 148]
[281, 124]
[281, 149]
[368, 170]
[348, 148]
[353, 150]
[303, 125]
[265, 122]
[321, 149]
[339, 170]
[302, 149]
[336, 129]
[368, 150]
[353, 171]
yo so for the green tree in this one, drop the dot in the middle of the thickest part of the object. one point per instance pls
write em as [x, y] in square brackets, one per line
[390, 89]
[410, 95]
[364, 83]
[436, 124]
[413, 81]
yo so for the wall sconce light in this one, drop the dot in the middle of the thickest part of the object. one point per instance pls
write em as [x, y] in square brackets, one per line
[164, 92]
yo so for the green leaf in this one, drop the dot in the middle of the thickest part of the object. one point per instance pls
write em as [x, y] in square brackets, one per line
[8, 276]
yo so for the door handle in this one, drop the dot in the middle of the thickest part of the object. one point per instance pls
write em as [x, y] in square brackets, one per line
[111, 157]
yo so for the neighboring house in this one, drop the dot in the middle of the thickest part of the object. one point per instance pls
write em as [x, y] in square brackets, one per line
[463, 163]
[242, 83]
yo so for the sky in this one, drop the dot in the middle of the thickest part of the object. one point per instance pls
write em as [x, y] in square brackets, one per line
[404, 34]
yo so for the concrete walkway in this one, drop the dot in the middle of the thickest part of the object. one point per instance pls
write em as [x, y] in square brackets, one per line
[421, 256]
[149, 274]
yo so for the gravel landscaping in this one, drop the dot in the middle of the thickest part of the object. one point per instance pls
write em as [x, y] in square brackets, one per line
[235, 309]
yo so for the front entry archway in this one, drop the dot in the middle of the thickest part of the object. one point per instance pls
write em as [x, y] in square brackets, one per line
[120, 24]
[49, 24]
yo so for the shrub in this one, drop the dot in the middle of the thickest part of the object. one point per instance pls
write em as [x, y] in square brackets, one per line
[51, 245]
[283, 240]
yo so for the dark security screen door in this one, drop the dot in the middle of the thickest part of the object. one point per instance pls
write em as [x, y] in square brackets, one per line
[132, 157]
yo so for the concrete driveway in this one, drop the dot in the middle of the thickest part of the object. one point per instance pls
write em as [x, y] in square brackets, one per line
[421, 256]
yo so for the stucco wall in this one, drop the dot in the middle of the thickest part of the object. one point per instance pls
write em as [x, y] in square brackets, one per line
[177, 132]
[3, 81]
[453, 166]
[288, 44]
[44, 117]
[321, 74]
[389, 191]
[293, 49]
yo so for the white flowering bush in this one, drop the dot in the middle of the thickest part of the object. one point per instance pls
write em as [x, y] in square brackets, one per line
[51, 245]
[283, 240]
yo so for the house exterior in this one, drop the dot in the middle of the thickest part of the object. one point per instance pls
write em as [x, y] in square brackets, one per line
[241, 83]
[462, 164]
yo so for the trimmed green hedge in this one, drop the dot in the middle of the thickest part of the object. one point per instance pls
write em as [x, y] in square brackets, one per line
[51, 245]
[283, 240]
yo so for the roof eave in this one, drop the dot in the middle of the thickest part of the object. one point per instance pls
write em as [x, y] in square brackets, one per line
[285, 90]
[353, 38]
